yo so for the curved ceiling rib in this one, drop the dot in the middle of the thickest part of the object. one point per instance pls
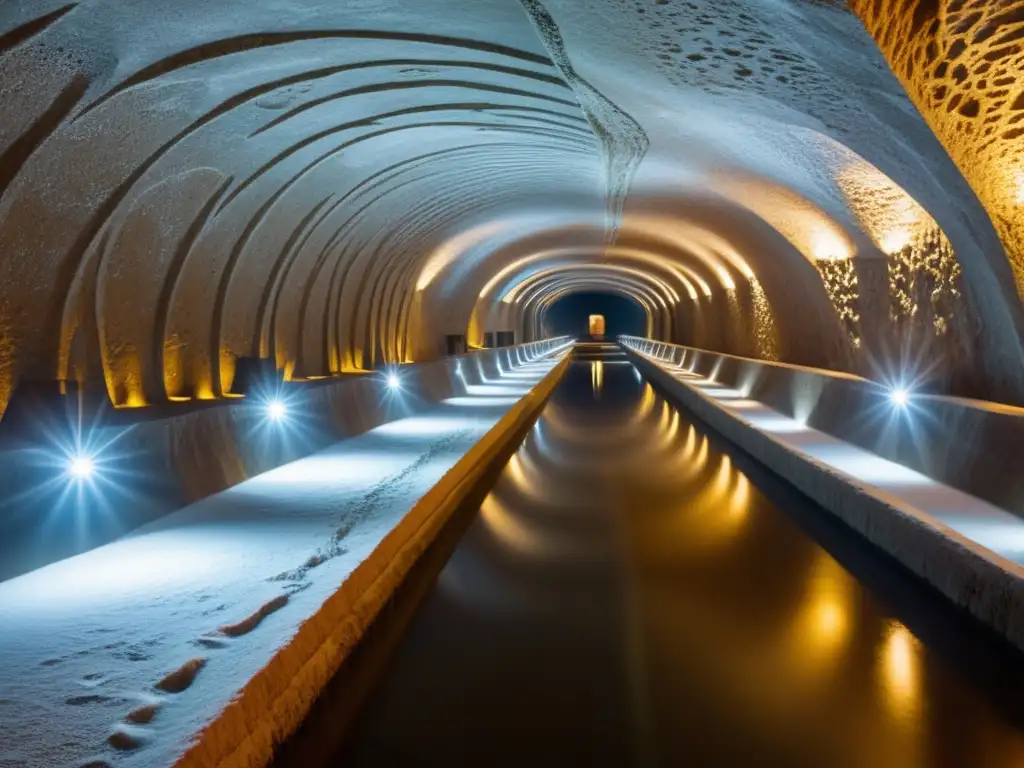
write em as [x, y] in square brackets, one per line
[339, 187]
[528, 287]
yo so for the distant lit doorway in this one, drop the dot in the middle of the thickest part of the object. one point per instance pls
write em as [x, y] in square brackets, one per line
[571, 316]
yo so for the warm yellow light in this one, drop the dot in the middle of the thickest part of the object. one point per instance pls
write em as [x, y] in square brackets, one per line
[825, 619]
[684, 274]
[723, 477]
[739, 499]
[899, 671]
[597, 376]
[828, 245]
[726, 279]
[508, 529]
[895, 241]
[702, 453]
[1020, 187]
[508, 269]
[135, 400]
[454, 248]
[830, 620]
[521, 288]
[517, 472]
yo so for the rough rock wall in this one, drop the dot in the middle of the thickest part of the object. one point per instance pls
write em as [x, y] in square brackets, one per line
[185, 185]
[962, 63]
[338, 186]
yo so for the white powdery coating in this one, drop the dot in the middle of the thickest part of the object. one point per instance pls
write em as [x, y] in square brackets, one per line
[144, 641]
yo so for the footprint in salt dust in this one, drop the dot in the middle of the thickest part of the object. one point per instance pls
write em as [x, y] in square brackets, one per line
[216, 609]
[141, 651]
[334, 549]
[246, 625]
[143, 715]
[130, 735]
[182, 678]
[126, 738]
[206, 641]
[249, 623]
[93, 698]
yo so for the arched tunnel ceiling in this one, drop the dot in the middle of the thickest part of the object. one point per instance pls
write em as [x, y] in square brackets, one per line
[340, 185]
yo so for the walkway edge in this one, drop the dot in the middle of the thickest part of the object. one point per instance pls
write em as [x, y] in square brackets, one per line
[986, 585]
[277, 699]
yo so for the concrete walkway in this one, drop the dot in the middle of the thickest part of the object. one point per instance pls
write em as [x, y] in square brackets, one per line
[121, 655]
[995, 529]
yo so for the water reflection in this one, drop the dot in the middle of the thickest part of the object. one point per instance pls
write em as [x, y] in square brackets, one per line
[824, 620]
[900, 673]
[629, 596]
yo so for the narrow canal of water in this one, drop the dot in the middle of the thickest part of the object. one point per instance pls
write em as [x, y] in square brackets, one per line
[630, 594]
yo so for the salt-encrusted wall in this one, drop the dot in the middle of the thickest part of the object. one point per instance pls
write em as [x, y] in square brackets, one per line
[338, 186]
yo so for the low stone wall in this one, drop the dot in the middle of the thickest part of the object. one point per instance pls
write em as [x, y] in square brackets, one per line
[988, 586]
[970, 445]
[276, 701]
[151, 462]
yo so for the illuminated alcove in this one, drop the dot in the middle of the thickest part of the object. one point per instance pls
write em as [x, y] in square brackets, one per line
[569, 315]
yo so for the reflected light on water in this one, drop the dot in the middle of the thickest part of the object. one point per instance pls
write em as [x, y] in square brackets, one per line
[517, 473]
[739, 499]
[597, 377]
[749, 643]
[644, 409]
[702, 452]
[508, 529]
[668, 429]
[731, 494]
[720, 485]
[900, 673]
[825, 619]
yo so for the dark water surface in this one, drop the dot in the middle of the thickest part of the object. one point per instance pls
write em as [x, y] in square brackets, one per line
[631, 595]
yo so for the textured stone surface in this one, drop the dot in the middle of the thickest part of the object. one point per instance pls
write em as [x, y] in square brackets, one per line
[339, 185]
[961, 62]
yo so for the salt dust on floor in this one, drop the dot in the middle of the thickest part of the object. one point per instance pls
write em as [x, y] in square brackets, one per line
[120, 655]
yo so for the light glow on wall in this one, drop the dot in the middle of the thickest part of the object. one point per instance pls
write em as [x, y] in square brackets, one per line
[899, 397]
[455, 247]
[686, 276]
[826, 245]
[895, 241]
[726, 278]
[81, 466]
[707, 247]
[514, 293]
[276, 410]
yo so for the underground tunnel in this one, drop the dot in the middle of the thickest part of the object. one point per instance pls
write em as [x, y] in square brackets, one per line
[619, 382]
